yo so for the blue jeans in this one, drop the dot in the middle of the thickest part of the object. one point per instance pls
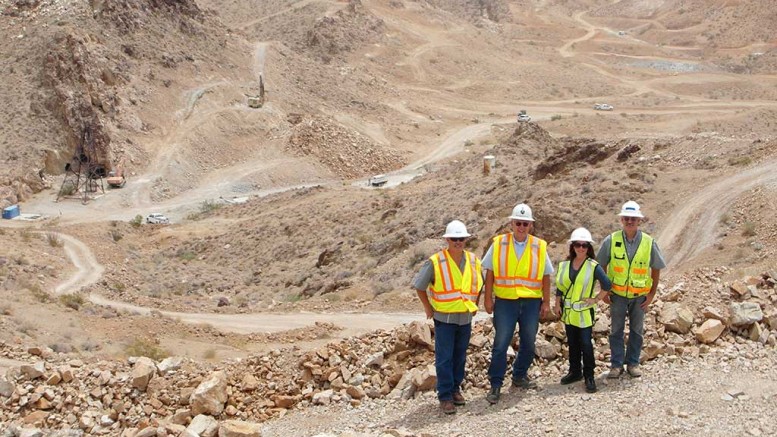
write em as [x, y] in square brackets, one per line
[450, 356]
[619, 309]
[507, 312]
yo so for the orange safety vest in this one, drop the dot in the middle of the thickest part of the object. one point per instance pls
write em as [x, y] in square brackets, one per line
[454, 291]
[514, 278]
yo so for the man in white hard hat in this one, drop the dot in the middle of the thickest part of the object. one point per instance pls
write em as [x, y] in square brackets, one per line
[448, 286]
[517, 291]
[633, 263]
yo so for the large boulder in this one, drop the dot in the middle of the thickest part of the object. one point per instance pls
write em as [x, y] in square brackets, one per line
[142, 372]
[203, 426]
[425, 379]
[209, 397]
[421, 334]
[745, 313]
[676, 318]
[238, 428]
[709, 331]
[545, 349]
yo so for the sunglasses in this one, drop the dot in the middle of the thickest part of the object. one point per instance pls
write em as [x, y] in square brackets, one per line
[579, 245]
[630, 219]
[524, 224]
[458, 239]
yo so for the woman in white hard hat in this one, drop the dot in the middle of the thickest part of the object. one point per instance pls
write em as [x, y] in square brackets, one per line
[448, 286]
[575, 300]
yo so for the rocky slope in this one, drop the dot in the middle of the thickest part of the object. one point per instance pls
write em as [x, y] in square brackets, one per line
[177, 396]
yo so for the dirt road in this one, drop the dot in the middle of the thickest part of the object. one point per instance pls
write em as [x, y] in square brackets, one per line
[691, 228]
[89, 271]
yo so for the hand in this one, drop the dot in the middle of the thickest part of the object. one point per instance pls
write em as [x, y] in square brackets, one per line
[646, 303]
[591, 301]
[606, 299]
[489, 304]
[557, 308]
[545, 309]
[429, 312]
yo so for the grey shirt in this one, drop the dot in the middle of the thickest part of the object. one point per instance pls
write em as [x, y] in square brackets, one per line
[520, 246]
[656, 258]
[425, 278]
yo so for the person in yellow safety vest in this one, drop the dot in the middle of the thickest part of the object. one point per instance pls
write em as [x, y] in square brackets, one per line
[633, 263]
[448, 286]
[575, 301]
[517, 291]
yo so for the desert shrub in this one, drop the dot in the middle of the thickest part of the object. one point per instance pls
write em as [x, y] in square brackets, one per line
[68, 189]
[555, 117]
[74, 301]
[740, 160]
[142, 347]
[187, 255]
[468, 143]
[116, 235]
[208, 206]
[209, 354]
[54, 239]
[38, 293]
[137, 221]
[748, 230]
[725, 218]
[417, 256]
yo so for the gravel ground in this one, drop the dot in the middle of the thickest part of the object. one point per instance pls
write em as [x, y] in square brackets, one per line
[731, 392]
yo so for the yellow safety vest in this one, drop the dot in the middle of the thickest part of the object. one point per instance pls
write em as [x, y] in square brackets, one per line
[630, 279]
[575, 311]
[514, 278]
[454, 291]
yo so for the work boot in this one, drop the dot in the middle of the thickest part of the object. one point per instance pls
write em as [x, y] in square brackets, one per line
[447, 407]
[570, 377]
[634, 371]
[493, 395]
[524, 383]
[590, 384]
[615, 373]
[458, 399]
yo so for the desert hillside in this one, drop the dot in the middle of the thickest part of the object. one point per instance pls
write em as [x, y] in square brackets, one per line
[276, 301]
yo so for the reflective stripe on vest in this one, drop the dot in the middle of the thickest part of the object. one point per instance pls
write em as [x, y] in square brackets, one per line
[576, 312]
[454, 291]
[514, 278]
[630, 278]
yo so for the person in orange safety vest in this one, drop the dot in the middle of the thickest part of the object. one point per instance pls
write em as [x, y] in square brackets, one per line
[448, 286]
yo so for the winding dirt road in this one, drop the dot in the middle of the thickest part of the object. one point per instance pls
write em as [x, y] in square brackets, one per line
[89, 271]
[691, 228]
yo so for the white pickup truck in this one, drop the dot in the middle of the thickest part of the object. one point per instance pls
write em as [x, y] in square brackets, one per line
[378, 180]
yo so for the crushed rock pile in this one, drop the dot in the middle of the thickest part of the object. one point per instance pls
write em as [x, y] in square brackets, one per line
[177, 396]
[346, 152]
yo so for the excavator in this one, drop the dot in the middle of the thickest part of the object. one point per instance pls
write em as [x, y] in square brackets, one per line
[116, 177]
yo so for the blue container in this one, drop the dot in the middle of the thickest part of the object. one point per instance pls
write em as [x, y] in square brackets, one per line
[11, 212]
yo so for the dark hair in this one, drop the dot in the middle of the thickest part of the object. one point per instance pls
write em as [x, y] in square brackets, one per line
[589, 252]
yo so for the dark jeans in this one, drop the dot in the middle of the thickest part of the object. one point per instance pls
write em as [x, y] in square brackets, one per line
[526, 313]
[450, 356]
[620, 308]
[581, 345]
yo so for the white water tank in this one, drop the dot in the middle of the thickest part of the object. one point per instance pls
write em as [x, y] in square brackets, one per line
[489, 164]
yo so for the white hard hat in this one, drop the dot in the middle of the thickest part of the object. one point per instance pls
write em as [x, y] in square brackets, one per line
[522, 212]
[581, 234]
[456, 229]
[631, 209]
